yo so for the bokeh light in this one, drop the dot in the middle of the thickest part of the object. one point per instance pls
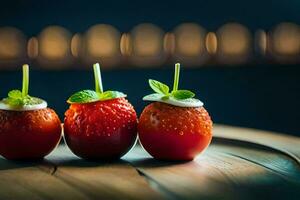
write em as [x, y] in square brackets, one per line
[147, 45]
[102, 44]
[234, 43]
[54, 43]
[76, 45]
[13, 45]
[211, 43]
[190, 44]
[285, 42]
[261, 41]
[169, 43]
[33, 48]
[125, 44]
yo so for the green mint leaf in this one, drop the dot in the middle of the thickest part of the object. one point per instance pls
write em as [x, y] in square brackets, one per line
[182, 94]
[13, 102]
[84, 96]
[111, 95]
[15, 94]
[159, 87]
[15, 99]
[88, 96]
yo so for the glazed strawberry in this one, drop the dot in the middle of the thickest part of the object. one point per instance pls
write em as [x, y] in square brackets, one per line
[177, 126]
[28, 129]
[100, 125]
[28, 134]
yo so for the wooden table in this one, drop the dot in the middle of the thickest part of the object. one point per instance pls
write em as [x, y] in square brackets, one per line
[239, 164]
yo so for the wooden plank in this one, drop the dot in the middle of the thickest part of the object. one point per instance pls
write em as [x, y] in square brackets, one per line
[240, 164]
[216, 175]
[260, 155]
[101, 180]
[32, 180]
[285, 143]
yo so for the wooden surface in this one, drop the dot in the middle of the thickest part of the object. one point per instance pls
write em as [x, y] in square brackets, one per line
[239, 164]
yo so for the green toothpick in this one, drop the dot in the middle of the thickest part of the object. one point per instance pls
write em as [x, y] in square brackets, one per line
[25, 83]
[88, 96]
[176, 77]
[98, 79]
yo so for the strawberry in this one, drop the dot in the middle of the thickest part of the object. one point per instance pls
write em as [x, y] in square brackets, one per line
[174, 133]
[28, 129]
[102, 129]
[100, 124]
[28, 134]
[176, 126]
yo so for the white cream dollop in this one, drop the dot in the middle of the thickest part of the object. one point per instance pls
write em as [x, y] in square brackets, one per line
[5, 106]
[190, 102]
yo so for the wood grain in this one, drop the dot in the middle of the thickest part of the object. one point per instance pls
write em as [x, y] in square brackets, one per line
[239, 164]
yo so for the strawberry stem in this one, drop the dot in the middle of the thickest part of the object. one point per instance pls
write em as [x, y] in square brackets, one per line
[98, 79]
[176, 77]
[25, 82]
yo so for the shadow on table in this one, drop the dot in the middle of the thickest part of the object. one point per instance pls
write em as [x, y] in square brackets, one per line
[151, 162]
[78, 162]
[17, 164]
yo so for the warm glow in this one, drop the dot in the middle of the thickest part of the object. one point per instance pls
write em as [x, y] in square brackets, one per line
[54, 43]
[147, 40]
[32, 47]
[102, 41]
[286, 39]
[169, 43]
[12, 43]
[125, 44]
[190, 39]
[76, 45]
[261, 40]
[211, 43]
[233, 40]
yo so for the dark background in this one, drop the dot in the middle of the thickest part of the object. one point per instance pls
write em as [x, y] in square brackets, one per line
[31, 16]
[259, 94]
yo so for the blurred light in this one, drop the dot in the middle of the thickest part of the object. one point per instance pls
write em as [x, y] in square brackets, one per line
[125, 44]
[102, 41]
[286, 39]
[211, 43]
[189, 39]
[147, 45]
[54, 43]
[261, 40]
[190, 44]
[169, 43]
[76, 45]
[12, 44]
[147, 40]
[234, 43]
[32, 48]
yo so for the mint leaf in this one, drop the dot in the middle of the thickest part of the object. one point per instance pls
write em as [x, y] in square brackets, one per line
[16, 99]
[159, 87]
[15, 94]
[111, 95]
[182, 94]
[84, 96]
[89, 96]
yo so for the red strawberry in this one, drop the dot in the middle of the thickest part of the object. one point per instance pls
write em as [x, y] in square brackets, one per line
[102, 129]
[28, 129]
[174, 133]
[28, 134]
[100, 124]
[177, 126]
